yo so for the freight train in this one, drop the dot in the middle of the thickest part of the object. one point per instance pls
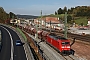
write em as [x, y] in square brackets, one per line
[60, 43]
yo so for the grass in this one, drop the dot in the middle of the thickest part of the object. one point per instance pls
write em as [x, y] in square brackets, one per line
[81, 20]
[61, 15]
[78, 21]
[22, 34]
[52, 15]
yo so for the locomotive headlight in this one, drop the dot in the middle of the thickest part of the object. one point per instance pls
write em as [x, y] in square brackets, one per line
[63, 47]
[68, 46]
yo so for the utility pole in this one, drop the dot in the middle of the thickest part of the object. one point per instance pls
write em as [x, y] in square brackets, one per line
[41, 20]
[17, 22]
[9, 16]
[50, 26]
[45, 22]
[58, 19]
[65, 23]
[36, 26]
[36, 35]
[13, 20]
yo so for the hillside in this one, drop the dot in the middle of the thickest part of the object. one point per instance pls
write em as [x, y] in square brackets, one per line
[80, 20]
[27, 16]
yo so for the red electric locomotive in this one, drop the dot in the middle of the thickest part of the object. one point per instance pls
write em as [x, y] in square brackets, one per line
[60, 43]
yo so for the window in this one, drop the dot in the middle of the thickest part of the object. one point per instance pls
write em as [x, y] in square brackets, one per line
[65, 43]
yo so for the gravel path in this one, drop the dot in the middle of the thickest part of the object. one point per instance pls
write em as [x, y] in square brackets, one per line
[81, 50]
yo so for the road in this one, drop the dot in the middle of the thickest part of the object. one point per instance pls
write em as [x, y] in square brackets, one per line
[10, 50]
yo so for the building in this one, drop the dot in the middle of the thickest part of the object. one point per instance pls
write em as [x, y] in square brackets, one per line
[88, 22]
[52, 22]
[48, 20]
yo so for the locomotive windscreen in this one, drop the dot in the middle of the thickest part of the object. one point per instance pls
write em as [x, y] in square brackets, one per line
[65, 43]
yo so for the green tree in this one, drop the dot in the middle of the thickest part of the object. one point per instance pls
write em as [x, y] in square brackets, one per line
[12, 15]
[3, 15]
[69, 19]
[55, 13]
[60, 11]
[81, 24]
[65, 9]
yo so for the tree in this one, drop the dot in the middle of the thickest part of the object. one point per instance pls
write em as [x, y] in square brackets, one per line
[81, 24]
[77, 11]
[12, 15]
[3, 15]
[60, 11]
[65, 9]
[69, 11]
[55, 13]
[69, 19]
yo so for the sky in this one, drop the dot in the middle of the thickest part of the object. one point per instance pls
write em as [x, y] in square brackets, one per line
[34, 7]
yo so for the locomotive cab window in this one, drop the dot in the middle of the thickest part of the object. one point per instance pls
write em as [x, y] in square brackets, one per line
[65, 43]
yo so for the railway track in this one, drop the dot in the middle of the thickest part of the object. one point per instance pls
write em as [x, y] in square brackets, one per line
[49, 53]
[67, 57]
[85, 38]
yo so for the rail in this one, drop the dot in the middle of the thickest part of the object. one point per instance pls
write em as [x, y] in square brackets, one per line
[85, 38]
[44, 56]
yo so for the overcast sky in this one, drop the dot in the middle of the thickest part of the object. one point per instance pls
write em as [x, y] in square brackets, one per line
[33, 7]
